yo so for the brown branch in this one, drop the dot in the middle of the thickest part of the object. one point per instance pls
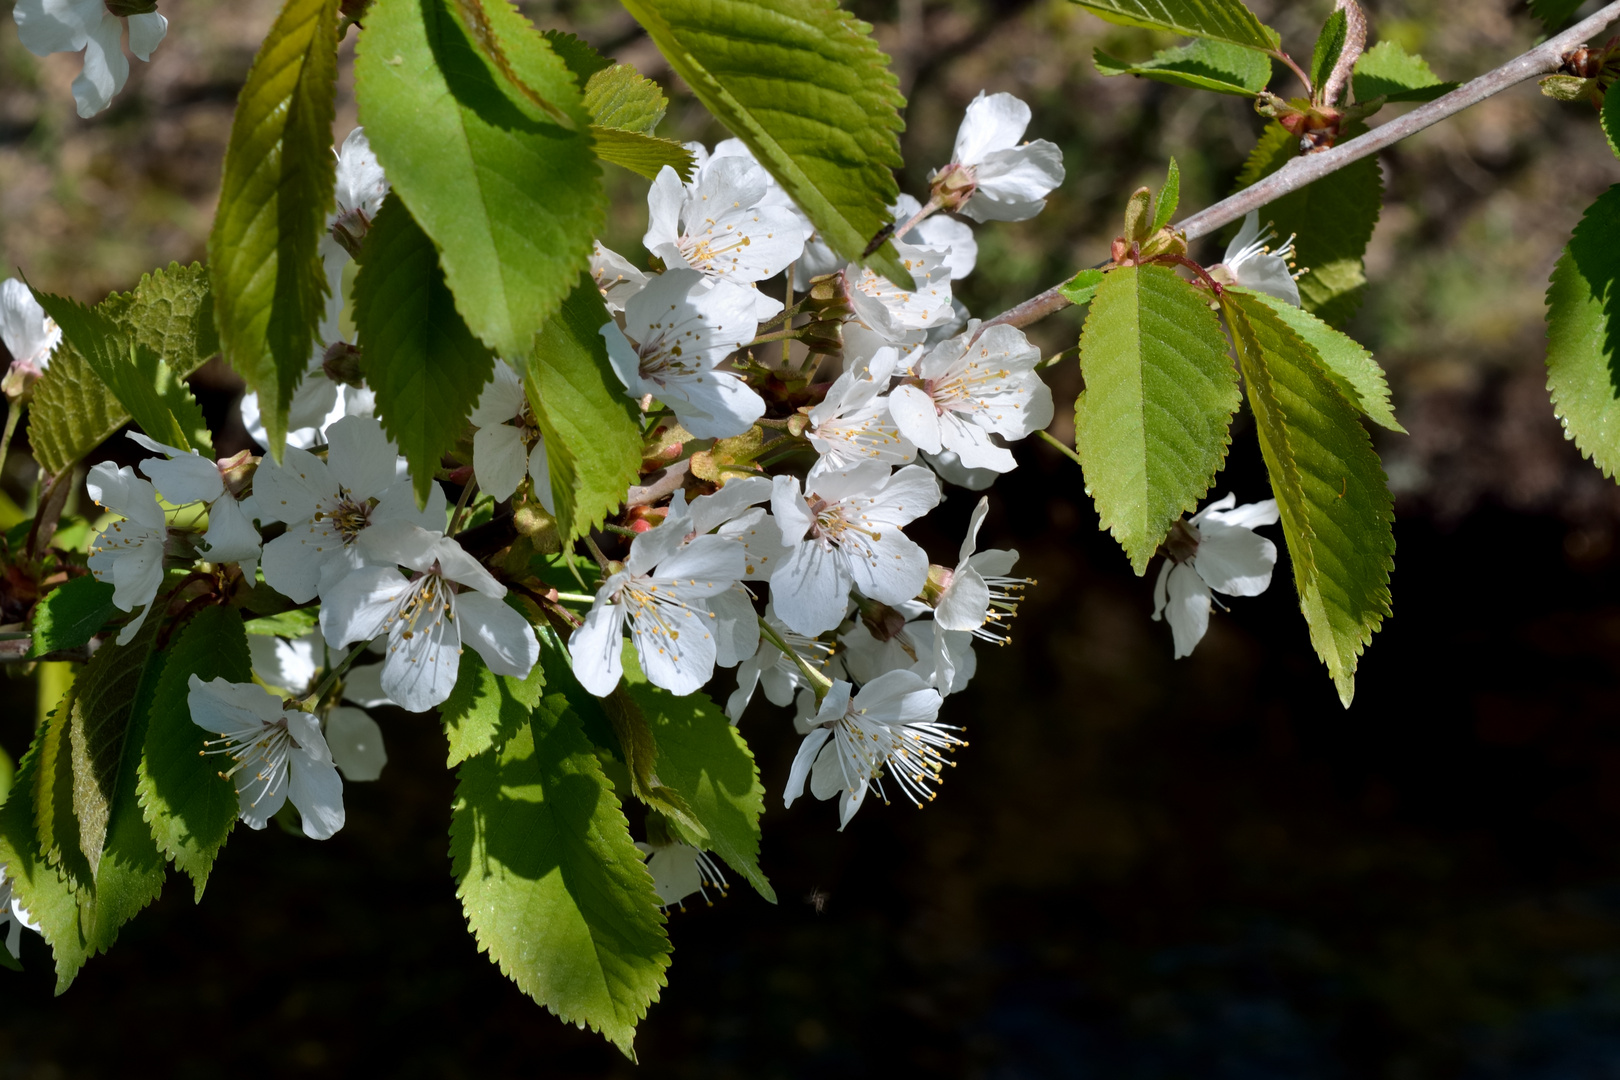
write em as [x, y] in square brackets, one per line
[1544, 59]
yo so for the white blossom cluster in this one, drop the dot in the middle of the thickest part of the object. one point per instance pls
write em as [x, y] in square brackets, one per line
[798, 575]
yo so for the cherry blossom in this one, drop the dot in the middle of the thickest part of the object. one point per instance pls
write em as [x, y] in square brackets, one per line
[852, 424]
[679, 870]
[185, 476]
[131, 551]
[428, 617]
[327, 505]
[845, 532]
[905, 637]
[1251, 263]
[354, 738]
[718, 225]
[279, 754]
[663, 592]
[1216, 550]
[53, 26]
[507, 444]
[969, 388]
[978, 596]
[901, 315]
[992, 177]
[676, 333]
[616, 278]
[30, 336]
[887, 728]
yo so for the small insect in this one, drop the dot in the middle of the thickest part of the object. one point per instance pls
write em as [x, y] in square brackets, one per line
[883, 234]
[818, 898]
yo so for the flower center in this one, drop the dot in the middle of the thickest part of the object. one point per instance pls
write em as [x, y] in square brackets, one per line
[913, 755]
[263, 747]
[348, 515]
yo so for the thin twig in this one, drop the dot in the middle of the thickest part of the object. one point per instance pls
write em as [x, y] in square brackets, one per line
[1544, 59]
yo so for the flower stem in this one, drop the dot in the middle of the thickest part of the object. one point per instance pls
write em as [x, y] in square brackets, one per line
[1061, 446]
[13, 414]
[576, 598]
[819, 683]
[461, 505]
[313, 699]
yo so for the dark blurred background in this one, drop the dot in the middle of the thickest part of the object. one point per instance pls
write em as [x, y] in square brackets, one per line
[1141, 867]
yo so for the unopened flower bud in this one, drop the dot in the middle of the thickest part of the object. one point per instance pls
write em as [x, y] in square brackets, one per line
[342, 364]
[236, 471]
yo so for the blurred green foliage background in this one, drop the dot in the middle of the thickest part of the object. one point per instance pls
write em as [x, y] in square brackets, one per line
[1141, 868]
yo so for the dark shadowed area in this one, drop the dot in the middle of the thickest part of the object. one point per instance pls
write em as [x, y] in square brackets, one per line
[1140, 867]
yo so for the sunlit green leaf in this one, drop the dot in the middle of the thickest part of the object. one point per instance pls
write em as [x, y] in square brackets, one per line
[1217, 20]
[1351, 367]
[1386, 70]
[263, 252]
[551, 883]
[706, 760]
[1337, 513]
[510, 197]
[1583, 325]
[1152, 425]
[71, 614]
[1201, 65]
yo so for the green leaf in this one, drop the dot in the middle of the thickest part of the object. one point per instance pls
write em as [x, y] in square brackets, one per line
[71, 614]
[593, 440]
[1201, 65]
[1331, 220]
[50, 896]
[704, 758]
[473, 19]
[143, 384]
[189, 807]
[803, 84]
[1153, 423]
[1554, 13]
[101, 714]
[1386, 70]
[1337, 513]
[1217, 20]
[87, 819]
[1583, 334]
[293, 623]
[1329, 44]
[1610, 118]
[582, 60]
[511, 199]
[633, 735]
[627, 107]
[1351, 367]
[1082, 287]
[485, 710]
[1164, 207]
[552, 885]
[621, 97]
[644, 155]
[424, 364]
[170, 313]
[264, 250]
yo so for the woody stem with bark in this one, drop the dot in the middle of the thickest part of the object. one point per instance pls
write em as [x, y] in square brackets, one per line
[1544, 59]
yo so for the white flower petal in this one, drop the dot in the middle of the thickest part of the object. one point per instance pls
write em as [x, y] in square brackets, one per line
[1234, 560]
[500, 635]
[596, 647]
[500, 460]
[993, 122]
[1187, 609]
[356, 742]
[146, 33]
[106, 69]
[361, 458]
